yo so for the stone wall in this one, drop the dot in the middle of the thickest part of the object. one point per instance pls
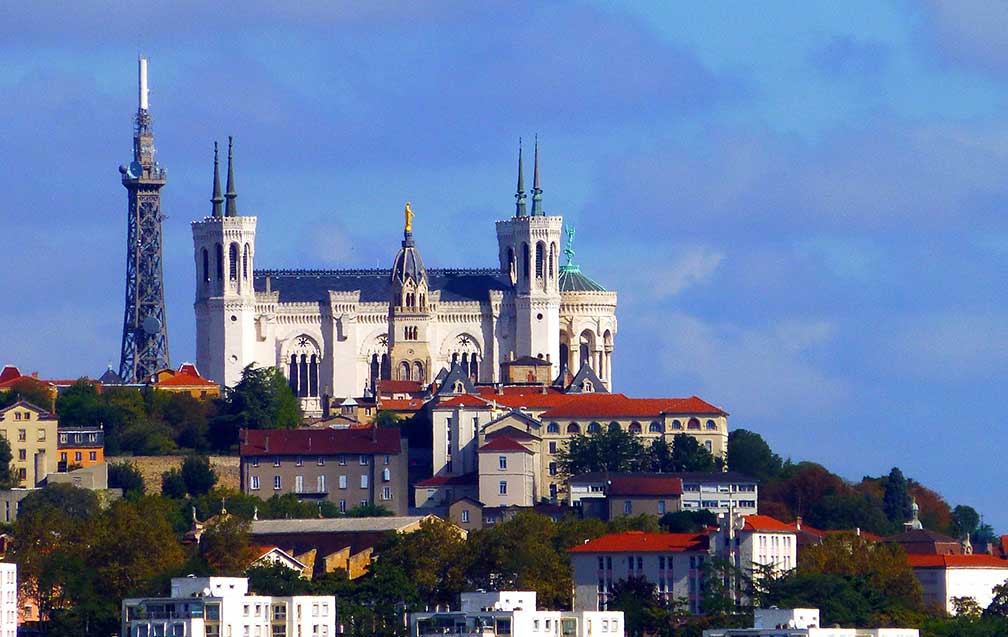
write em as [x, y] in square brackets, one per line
[151, 467]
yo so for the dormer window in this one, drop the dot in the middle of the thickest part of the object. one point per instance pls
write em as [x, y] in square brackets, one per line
[459, 388]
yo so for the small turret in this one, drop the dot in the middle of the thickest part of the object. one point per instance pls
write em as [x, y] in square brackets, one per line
[520, 194]
[216, 198]
[231, 195]
[536, 190]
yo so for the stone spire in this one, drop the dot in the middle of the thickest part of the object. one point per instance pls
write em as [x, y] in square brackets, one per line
[536, 190]
[232, 205]
[520, 195]
[216, 199]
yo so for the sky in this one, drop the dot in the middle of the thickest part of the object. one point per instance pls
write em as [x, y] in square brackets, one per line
[801, 207]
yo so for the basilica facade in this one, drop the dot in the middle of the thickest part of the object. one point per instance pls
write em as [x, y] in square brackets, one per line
[335, 333]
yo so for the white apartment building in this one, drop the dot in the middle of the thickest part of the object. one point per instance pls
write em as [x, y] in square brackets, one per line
[945, 577]
[801, 622]
[720, 492]
[514, 614]
[755, 542]
[8, 599]
[222, 607]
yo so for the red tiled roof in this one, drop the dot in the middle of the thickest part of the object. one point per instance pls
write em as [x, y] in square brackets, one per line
[399, 386]
[450, 481]
[185, 379]
[639, 542]
[313, 442]
[463, 400]
[400, 404]
[617, 405]
[645, 485]
[24, 379]
[528, 397]
[503, 443]
[766, 523]
[956, 561]
[9, 372]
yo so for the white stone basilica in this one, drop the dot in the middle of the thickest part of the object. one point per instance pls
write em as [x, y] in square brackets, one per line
[336, 332]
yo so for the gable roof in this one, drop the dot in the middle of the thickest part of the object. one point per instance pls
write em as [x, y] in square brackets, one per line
[765, 523]
[313, 442]
[619, 405]
[24, 404]
[185, 379]
[586, 373]
[511, 432]
[462, 400]
[640, 542]
[503, 443]
[645, 485]
[466, 479]
[456, 375]
[389, 386]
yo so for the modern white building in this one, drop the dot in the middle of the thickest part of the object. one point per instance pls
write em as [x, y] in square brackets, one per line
[222, 607]
[945, 577]
[801, 622]
[757, 542]
[514, 614]
[8, 599]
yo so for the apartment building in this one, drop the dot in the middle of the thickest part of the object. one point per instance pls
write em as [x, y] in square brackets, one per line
[223, 607]
[31, 433]
[349, 467]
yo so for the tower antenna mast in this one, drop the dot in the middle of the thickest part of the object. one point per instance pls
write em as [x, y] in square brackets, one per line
[145, 329]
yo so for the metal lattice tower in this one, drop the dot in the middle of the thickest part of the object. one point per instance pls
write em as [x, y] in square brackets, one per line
[145, 330]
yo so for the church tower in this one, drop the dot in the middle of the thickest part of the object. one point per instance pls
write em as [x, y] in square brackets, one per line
[529, 245]
[410, 310]
[145, 331]
[224, 249]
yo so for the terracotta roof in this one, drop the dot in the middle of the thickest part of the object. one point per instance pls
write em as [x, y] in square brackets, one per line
[400, 404]
[766, 523]
[185, 379]
[23, 379]
[313, 442]
[462, 400]
[528, 397]
[450, 481]
[640, 542]
[956, 561]
[503, 443]
[645, 485]
[399, 386]
[9, 372]
[619, 405]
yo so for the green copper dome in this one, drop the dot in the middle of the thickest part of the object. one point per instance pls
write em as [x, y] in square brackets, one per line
[572, 280]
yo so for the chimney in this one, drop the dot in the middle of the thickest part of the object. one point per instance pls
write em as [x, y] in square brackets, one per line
[797, 523]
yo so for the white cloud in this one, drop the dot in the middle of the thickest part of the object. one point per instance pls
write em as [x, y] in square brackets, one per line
[951, 345]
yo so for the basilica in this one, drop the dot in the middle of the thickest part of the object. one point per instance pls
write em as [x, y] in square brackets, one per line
[335, 333]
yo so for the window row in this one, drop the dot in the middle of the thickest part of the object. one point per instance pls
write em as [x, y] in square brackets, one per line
[635, 427]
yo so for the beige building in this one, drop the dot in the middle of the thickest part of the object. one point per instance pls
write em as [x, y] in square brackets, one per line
[32, 434]
[506, 473]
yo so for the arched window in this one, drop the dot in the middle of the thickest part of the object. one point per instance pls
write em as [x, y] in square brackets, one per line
[525, 260]
[594, 427]
[573, 428]
[292, 374]
[473, 367]
[375, 371]
[693, 424]
[587, 387]
[677, 424]
[459, 388]
[220, 262]
[711, 425]
[512, 271]
[302, 375]
[313, 369]
[634, 428]
[540, 260]
[233, 257]
[656, 427]
[386, 367]
[552, 260]
[206, 266]
[553, 428]
[404, 371]
[614, 426]
[245, 258]
[423, 301]
[418, 371]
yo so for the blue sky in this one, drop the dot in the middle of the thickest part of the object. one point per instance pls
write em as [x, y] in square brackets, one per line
[802, 212]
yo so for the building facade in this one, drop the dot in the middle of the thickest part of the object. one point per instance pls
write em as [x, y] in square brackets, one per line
[514, 614]
[337, 332]
[31, 433]
[673, 562]
[349, 467]
[8, 599]
[80, 447]
[720, 492]
[946, 577]
[223, 607]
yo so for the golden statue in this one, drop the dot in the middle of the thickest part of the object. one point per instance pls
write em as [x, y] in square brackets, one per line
[409, 217]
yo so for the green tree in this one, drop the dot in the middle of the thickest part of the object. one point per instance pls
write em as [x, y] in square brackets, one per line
[198, 476]
[999, 602]
[173, 484]
[277, 580]
[261, 400]
[434, 558]
[848, 511]
[8, 477]
[124, 475]
[896, 502]
[643, 612]
[750, 454]
[225, 545]
[965, 521]
[29, 390]
[386, 418]
[687, 521]
[610, 449]
[689, 455]
[79, 405]
[77, 503]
